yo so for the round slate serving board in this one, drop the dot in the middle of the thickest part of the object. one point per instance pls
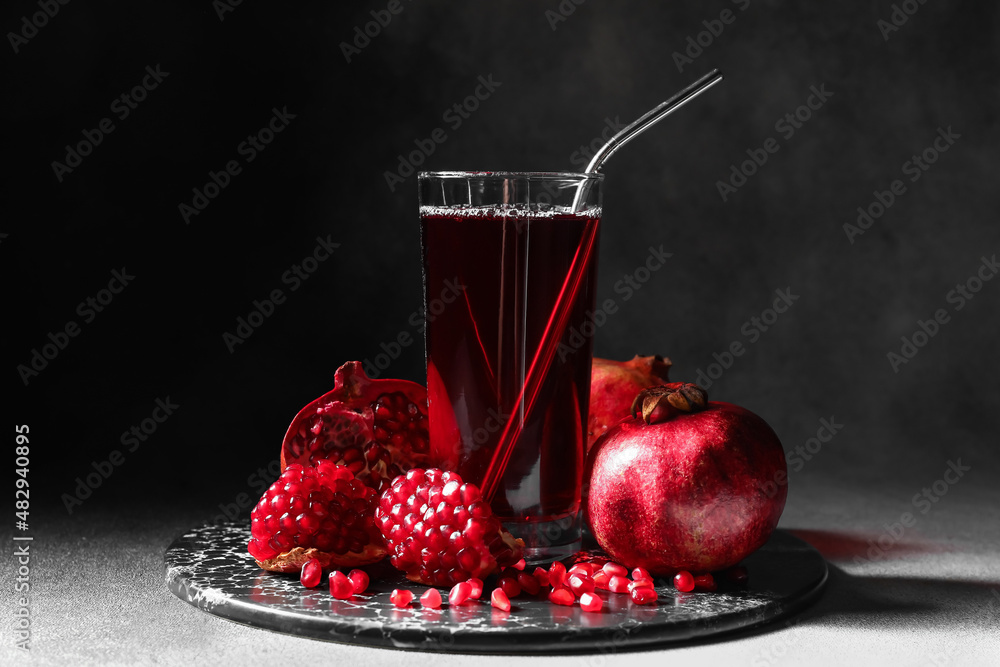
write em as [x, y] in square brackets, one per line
[209, 567]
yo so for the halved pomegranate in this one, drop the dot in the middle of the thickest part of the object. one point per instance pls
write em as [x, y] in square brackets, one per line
[376, 428]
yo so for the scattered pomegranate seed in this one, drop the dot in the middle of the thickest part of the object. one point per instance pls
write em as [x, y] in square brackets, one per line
[613, 569]
[640, 583]
[431, 598]
[643, 595]
[528, 583]
[401, 598]
[705, 582]
[311, 574]
[640, 573]
[340, 586]
[737, 575]
[683, 581]
[500, 600]
[601, 579]
[519, 565]
[618, 584]
[591, 602]
[542, 575]
[557, 574]
[581, 583]
[561, 596]
[460, 593]
[477, 587]
[359, 579]
[510, 585]
[583, 568]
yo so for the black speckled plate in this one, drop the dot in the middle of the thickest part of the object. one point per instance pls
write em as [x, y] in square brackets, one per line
[210, 568]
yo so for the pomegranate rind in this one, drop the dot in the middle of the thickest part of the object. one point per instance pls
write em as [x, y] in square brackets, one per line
[291, 562]
[613, 386]
[346, 412]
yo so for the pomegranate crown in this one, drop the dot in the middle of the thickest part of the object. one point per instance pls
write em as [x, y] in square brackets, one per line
[655, 403]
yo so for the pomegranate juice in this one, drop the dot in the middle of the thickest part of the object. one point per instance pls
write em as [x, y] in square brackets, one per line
[492, 277]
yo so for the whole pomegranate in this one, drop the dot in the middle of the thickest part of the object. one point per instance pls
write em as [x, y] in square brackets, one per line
[375, 428]
[682, 486]
[613, 386]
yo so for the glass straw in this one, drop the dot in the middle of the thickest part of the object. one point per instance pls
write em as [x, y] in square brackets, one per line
[559, 319]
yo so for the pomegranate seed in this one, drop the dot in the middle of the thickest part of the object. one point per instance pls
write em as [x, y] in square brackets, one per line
[340, 586]
[519, 565]
[510, 585]
[737, 575]
[359, 579]
[640, 573]
[528, 583]
[601, 579]
[640, 583]
[439, 531]
[312, 573]
[401, 598]
[683, 581]
[583, 568]
[618, 584]
[613, 569]
[500, 600]
[321, 507]
[477, 588]
[591, 602]
[580, 584]
[705, 582]
[643, 595]
[561, 596]
[459, 593]
[542, 576]
[431, 598]
[557, 574]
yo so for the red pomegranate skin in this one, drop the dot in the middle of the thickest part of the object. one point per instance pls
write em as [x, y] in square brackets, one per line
[688, 493]
[613, 386]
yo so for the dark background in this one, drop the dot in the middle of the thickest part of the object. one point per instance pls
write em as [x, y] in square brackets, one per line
[324, 175]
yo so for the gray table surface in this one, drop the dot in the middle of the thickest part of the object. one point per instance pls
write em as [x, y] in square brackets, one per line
[932, 597]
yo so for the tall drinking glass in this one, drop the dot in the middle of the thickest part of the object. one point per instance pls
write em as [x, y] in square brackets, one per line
[510, 269]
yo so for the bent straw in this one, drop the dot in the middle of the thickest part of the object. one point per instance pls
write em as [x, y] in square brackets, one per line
[559, 319]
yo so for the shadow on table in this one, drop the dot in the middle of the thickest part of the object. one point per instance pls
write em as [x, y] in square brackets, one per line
[881, 601]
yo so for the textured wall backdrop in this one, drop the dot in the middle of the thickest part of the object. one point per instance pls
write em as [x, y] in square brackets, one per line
[203, 80]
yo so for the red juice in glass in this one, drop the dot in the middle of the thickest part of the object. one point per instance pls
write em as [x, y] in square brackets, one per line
[494, 274]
